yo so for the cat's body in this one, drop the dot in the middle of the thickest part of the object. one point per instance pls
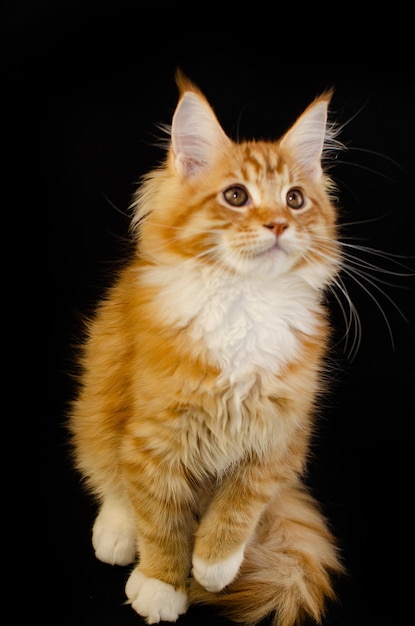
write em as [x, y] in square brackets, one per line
[201, 373]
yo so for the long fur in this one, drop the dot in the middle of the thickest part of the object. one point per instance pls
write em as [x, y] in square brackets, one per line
[202, 371]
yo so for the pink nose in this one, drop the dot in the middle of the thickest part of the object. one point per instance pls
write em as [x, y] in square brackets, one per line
[277, 227]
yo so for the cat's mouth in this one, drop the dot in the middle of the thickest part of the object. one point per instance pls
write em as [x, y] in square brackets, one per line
[267, 248]
[276, 257]
[278, 247]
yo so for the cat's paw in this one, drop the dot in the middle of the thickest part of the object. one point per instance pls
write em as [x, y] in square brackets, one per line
[114, 538]
[215, 576]
[154, 599]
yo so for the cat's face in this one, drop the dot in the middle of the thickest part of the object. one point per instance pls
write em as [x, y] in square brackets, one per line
[253, 208]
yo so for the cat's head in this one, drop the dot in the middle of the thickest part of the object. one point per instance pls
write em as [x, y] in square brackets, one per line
[253, 208]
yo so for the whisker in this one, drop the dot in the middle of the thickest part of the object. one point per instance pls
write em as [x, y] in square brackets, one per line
[366, 168]
[377, 218]
[379, 154]
[352, 272]
[352, 321]
[382, 253]
[363, 273]
[114, 206]
[353, 275]
[339, 291]
[387, 256]
[336, 287]
[351, 118]
[362, 264]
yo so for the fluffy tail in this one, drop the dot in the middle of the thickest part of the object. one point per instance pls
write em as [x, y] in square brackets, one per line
[287, 567]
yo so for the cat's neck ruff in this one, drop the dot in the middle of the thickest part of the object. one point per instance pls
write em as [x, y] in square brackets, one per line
[243, 323]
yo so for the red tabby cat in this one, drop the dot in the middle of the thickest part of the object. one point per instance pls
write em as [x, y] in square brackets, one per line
[202, 370]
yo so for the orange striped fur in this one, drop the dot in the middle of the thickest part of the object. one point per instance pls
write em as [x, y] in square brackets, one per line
[202, 371]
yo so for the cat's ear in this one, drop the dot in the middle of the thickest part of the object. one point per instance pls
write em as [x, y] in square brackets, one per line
[196, 135]
[306, 138]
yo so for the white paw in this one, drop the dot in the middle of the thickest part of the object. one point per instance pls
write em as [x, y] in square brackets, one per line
[155, 600]
[114, 537]
[216, 576]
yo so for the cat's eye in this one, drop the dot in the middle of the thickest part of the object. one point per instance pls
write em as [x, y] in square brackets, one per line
[236, 195]
[295, 198]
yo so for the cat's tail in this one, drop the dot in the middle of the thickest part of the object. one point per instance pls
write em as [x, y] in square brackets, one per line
[287, 569]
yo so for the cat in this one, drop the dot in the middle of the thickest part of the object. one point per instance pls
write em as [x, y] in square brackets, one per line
[201, 374]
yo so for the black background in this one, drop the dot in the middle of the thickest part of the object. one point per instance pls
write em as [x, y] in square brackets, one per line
[93, 80]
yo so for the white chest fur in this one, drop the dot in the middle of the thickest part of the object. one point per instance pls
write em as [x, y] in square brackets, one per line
[243, 323]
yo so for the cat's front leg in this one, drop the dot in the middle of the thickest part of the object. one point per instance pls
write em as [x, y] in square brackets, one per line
[157, 587]
[228, 524]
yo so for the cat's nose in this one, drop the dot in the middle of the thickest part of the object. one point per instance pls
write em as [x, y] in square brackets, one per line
[277, 227]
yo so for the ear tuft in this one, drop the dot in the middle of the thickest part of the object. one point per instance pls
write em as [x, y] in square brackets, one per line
[184, 83]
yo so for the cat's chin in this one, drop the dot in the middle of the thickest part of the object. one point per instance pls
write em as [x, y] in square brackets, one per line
[270, 263]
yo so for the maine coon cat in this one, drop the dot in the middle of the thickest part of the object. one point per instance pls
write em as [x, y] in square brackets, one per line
[202, 371]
